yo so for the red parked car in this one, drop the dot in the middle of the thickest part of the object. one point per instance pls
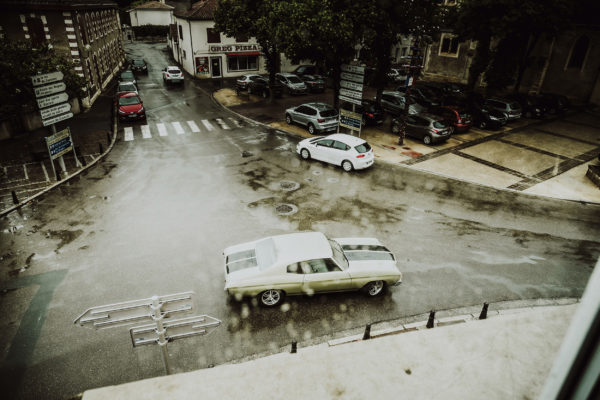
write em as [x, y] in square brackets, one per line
[454, 116]
[130, 106]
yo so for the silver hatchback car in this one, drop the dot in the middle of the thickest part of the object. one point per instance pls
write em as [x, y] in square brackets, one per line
[317, 117]
[292, 83]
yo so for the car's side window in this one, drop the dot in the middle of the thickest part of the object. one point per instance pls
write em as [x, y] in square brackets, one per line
[410, 120]
[303, 110]
[322, 265]
[311, 111]
[340, 145]
[325, 143]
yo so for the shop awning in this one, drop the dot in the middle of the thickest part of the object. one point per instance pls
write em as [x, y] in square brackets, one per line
[246, 53]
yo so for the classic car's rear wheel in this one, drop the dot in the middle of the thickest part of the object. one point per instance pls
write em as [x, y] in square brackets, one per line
[271, 297]
[374, 288]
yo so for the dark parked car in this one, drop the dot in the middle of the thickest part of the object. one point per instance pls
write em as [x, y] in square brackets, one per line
[305, 70]
[261, 87]
[454, 116]
[532, 106]
[315, 83]
[426, 127]
[422, 95]
[372, 113]
[127, 76]
[395, 102]
[484, 117]
[139, 65]
[512, 109]
[555, 103]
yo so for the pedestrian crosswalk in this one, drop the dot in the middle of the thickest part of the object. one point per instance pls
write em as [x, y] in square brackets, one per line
[178, 128]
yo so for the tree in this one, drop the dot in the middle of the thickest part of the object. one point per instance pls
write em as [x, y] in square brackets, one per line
[507, 31]
[16, 89]
[254, 18]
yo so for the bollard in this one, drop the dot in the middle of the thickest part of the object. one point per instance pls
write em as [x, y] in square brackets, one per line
[14, 197]
[101, 148]
[430, 320]
[483, 314]
[294, 345]
[367, 334]
[107, 138]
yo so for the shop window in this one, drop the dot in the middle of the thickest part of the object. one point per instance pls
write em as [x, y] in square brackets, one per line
[579, 52]
[35, 28]
[448, 45]
[242, 63]
[213, 35]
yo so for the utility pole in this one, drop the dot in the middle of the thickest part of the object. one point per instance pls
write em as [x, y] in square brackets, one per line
[416, 63]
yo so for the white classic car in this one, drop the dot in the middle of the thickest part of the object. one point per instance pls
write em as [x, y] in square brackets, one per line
[307, 263]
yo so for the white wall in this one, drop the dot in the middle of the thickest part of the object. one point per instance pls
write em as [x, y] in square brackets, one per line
[150, 17]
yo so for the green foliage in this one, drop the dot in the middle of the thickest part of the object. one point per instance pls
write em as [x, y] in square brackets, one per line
[16, 89]
[150, 30]
[512, 28]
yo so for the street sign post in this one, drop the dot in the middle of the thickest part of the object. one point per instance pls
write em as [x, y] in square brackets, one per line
[54, 111]
[351, 91]
[52, 100]
[156, 309]
[52, 88]
[350, 120]
[44, 79]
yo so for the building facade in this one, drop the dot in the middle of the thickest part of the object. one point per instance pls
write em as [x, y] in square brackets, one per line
[87, 31]
[206, 53]
[151, 13]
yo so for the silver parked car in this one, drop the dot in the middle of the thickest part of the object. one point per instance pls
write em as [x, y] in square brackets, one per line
[317, 117]
[426, 127]
[395, 102]
[292, 83]
[512, 109]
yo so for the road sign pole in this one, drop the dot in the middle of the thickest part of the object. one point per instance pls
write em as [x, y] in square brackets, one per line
[160, 331]
[51, 159]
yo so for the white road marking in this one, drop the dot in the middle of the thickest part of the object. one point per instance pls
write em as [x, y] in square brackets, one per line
[208, 125]
[146, 132]
[25, 170]
[236, 122]
[222, 123]
[193, 126]
[128, 132]
[162, 130]
[178, 128]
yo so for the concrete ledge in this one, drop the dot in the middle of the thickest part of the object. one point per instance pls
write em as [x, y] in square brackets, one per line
[593, 173]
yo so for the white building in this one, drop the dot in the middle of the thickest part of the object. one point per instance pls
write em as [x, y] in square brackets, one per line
[206, 53]
[151, 13]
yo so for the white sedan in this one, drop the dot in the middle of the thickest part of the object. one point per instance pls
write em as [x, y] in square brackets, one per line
[338, 149]
[307, 263]
[172, 74]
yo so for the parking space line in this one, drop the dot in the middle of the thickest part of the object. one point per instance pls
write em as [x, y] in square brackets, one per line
[222, 123]
[178, 128]
[128, 133]
[162, 129]
[146, 132]
[193, 126]
[208, 125]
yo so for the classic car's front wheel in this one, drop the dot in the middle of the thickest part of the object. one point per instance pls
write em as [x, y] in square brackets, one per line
[374, 288]
[271, 297]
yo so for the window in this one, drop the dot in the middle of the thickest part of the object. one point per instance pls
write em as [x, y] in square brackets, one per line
[35, 28]
[82, 31]
[325, 143]
[448, 45]
[180, 32]
[579, 52]
[242, 63]
[213, 36]
[322, 265]
[340, 146]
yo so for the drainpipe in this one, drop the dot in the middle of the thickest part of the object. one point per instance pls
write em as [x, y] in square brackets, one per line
[192, 46]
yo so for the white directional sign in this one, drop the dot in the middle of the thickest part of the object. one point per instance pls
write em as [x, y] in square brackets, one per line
[52, 100]
[351, 93]
[353, 69]
[351, 85]
[175, 329]
[56, 119]
[44, 79]
[350, 100]
[50, 112]
[352, 77]
[49, 89]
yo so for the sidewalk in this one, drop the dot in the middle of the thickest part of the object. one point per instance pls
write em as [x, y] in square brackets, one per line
[508, 355]
[548, 157]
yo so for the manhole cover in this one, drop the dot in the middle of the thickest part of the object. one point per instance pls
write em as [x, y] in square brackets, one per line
[333, 180]
[289, 185]
[286, 209]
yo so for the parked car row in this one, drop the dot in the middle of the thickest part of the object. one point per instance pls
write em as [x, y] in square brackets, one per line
[128, 103]
[285, 82]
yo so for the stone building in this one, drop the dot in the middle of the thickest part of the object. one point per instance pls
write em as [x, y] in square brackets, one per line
[87, 31]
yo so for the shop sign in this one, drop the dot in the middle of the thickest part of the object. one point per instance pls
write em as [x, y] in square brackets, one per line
[202, 67]
[232, 48]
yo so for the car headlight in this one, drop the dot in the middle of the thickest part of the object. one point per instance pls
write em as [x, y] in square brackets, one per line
[122, 112]
[141, 110]
[493, 118]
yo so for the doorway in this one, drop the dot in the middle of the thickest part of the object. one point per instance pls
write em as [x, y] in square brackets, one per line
[215, 63]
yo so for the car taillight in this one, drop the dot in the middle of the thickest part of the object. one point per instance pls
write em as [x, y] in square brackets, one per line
[370, 115]
[360, 156]
[168, 76]
[435, 130]
[320, 120]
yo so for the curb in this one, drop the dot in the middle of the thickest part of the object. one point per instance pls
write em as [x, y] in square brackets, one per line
[67, 179]
[516, 129]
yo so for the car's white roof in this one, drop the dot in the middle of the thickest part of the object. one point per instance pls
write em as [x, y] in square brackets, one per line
[294, 247]
[348, 139]
[172, 67]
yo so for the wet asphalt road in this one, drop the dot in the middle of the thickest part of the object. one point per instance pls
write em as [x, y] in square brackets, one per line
[154, 217]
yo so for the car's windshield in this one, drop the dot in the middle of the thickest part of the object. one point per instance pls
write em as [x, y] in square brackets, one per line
[138, 62]
[174, 71]
[128, 87]
[129, 101]
[294, 79]
[438, 125]
[127, 75]
[338, 254]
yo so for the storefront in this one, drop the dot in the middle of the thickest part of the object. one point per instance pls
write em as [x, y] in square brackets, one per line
[228, 60]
